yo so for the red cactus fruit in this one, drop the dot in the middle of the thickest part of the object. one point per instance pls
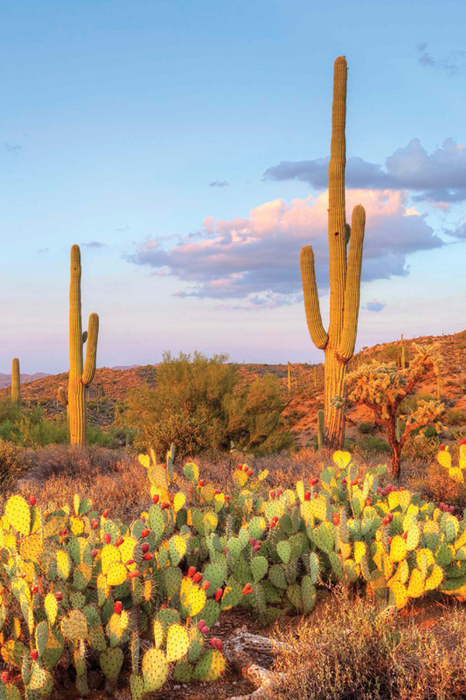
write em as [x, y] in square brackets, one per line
[216, 643]
[133, 574]
[336, 518]
[247, 589]
[205, 585]
[307, 495]
[59, 596]
[34, 655]
[144, 547]
[94, 523]
[118, 607]
[32, 501]
[107, 538]
[218, 594]
[155, 498]
[145, 532]
[191, 571]
[197, 577]
[106, 512]
[201, 483]
[147, 556]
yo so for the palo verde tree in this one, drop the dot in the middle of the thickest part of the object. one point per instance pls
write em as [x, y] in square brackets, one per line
[345, 253]
[383, 387]
[81, 373]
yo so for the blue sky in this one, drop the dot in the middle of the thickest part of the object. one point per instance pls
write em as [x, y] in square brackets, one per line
[117, 117]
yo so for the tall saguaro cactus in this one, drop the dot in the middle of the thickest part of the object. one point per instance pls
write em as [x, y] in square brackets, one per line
[15, 384]
[345, 252]
[81, 373]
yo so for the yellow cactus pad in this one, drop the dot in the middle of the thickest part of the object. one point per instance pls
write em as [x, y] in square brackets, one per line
[177, 642]
[18, 514]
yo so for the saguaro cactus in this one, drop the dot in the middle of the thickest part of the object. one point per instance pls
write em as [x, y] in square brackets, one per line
[345, 252]
[15, 376]
[81, 373]
[403, 355]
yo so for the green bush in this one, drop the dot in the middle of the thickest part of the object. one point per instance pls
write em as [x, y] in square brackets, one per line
[374, 444]
[200, 403]
[366, 427]
[455, 416]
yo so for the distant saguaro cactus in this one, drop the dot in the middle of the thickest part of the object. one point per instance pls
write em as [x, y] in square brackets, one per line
[15, 382]
[345, 252]
[81, 373]
[403, 354]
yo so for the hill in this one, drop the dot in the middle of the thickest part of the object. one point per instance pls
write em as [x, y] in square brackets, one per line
[111, 385]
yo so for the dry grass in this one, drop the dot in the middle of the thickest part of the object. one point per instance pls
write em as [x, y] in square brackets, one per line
[351, 651]
[113, 479]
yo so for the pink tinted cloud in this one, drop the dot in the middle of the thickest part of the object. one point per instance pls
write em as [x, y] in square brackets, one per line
[256, 259]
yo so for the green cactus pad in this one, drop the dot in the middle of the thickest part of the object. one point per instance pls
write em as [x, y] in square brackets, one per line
[308, 594]
[136, 684]
[171, 579]
[209, 613]
[210, 666]
[74, 625]
[324, 537]
[277, 576]
[97, 640]
[183, 672]
[284, 551]
[259, 568]
[111, 662]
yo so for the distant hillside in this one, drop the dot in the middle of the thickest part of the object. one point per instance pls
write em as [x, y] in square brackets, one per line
[5, 379]
[307, 383]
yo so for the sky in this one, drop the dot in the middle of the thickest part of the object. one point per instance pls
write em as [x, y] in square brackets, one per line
[184, 144]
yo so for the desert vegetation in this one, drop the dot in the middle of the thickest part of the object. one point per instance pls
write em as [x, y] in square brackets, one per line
[207, 528]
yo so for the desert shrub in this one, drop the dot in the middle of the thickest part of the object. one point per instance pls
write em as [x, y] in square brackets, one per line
[33, 430]
[361, 653]
[200, 403]
[421, 447]
[366, 427]
[12, 466]
[441, 487]
[371, 443]
[455, 416]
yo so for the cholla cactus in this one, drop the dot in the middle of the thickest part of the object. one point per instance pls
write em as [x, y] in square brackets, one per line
[345, 252]
[383, 386]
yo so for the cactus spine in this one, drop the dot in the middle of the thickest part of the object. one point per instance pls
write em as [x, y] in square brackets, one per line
[15, 377]
[81, 374]
[320, 429]
[344, 271]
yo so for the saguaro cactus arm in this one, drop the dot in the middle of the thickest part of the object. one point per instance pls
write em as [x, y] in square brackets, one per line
[311, 298]
[62, 397]
[352, 286]
[91, 350]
